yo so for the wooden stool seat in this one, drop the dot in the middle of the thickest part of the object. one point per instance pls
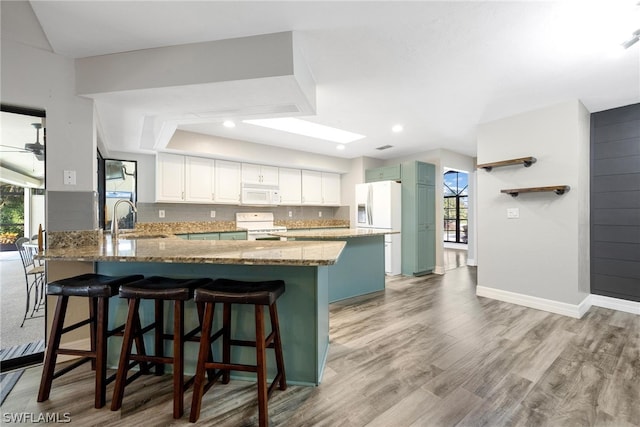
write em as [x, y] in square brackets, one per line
[98, 289]
[230, 292]
[159, 289]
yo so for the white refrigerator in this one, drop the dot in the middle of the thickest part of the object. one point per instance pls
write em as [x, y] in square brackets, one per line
[378, 205]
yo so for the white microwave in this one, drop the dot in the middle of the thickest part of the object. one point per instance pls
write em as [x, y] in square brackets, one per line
[254, 194]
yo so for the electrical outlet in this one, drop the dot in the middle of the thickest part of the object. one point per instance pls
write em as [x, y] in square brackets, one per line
[290, 214]
[319, 214]
[513, 213]
[161, 213]
[213, 214]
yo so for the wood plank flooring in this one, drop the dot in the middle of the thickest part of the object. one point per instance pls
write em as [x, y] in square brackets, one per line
[426, 352]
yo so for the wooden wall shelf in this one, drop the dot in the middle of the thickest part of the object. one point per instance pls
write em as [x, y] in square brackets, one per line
[558, 189]
[526, 161]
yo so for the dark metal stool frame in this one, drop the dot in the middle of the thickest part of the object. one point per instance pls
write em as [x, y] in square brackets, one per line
[98, 289]
[230, 292]
[159, 289]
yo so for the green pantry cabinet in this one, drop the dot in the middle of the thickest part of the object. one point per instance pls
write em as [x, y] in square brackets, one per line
[385, 173]
[418, 212]
[418, 218]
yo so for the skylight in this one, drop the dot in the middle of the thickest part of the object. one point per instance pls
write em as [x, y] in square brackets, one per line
[303, 127]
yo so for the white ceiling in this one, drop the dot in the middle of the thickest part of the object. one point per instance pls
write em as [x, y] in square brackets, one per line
[438, 68]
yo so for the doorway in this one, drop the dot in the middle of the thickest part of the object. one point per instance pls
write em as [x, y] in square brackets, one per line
[22, 214]
[456, 206]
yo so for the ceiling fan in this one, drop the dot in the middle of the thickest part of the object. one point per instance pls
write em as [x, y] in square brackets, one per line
[36, 148]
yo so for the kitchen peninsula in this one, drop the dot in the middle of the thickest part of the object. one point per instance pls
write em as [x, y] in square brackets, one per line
[303, 265]
[361, 268]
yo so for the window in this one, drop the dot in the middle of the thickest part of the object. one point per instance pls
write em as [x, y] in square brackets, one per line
[456, 206]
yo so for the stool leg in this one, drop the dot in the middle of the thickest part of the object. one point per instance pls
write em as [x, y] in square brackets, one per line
[263, 414]
[139, 340]
[226, 340]
[210, 372]
[52, 349]
[178, 359]
[123, 363]
[159, 333]
[101, 350]
[92, 328]
[203, 353]
[277, 343]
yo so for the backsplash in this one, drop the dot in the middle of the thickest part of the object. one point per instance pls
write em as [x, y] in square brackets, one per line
[183, 212]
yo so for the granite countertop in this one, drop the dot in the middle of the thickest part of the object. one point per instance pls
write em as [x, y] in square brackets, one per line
[341, 233]
[176, 250]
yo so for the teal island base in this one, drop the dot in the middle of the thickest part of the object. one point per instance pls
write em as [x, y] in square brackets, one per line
[360, 269]
[303, 313]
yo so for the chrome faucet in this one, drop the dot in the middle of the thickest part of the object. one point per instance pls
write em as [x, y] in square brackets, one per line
[114, 220]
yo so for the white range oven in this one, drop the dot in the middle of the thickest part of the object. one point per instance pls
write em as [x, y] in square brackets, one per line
[258, 225]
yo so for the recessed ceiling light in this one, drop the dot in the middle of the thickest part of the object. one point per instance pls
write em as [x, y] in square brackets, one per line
[303, 127]
[397, 128]
[228, 124]
[340, 147]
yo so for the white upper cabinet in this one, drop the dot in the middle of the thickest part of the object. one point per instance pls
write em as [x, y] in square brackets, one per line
[169, 177]
[227, 182]
[203, 180]
[290, 186]
[259, 174]
[331, 189]
[311, 188]
[320, 188]
[199, 179]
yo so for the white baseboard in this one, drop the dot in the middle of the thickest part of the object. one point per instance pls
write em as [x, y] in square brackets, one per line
[438, 269]
[565, 309]
[627, 306]
[572, 310]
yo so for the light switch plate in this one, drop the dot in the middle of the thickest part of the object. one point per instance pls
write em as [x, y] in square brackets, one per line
[513, 213]
[161, 213]
[69, 177]
[213, 214]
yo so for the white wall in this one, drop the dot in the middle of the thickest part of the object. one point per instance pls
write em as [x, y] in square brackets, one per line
[34, 77]
[544, 253]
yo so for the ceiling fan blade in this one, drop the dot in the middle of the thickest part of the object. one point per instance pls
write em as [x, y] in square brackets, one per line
[11, 149]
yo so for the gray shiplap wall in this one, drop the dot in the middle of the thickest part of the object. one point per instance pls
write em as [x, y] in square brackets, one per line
[615, 203]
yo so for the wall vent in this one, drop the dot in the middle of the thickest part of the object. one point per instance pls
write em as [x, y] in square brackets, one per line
[384, 147]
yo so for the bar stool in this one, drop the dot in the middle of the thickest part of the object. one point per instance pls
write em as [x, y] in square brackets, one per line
[159, 289]
[230, 292]
[98, 289]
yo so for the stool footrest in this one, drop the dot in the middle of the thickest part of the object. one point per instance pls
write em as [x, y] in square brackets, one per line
[191, 335]
[230, 366]
[71, 367]
[76, 325]
[243, 343]
[151, 359]
[76, 352]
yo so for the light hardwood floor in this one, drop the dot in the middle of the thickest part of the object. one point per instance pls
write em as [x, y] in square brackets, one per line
[426, 352]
